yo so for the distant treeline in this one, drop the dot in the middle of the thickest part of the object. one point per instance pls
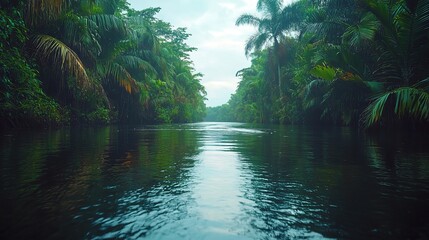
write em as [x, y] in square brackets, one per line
[96, 62]
[344, 62]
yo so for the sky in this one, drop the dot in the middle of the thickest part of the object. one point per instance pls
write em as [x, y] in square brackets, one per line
[220, 43]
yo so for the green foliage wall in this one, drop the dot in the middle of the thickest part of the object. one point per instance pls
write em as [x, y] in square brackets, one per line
[21, 97]
[94, 62]
[340, 62]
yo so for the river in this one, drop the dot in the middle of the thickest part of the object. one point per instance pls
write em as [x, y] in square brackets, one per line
[213, 181]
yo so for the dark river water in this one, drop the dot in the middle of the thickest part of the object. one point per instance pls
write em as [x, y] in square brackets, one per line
[213, 181]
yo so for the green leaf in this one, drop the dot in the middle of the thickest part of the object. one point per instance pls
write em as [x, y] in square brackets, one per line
[324, 72]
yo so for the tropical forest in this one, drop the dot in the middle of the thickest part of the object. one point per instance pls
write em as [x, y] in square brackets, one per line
[204, 119]
[360, 63]
[96, 62]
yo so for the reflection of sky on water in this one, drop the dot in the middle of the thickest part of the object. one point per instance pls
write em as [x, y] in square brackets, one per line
[214, 198]
[213, 181]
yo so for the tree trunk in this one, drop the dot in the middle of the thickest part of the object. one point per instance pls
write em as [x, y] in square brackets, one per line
[279, 79]
[277, 56]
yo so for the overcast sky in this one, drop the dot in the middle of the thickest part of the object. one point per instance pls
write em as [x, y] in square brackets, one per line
[220, 43]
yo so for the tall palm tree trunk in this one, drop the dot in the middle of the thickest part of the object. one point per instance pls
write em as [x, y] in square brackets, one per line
[279, 79]
[277, 56]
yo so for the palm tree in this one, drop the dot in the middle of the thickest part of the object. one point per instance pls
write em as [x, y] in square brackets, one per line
[50, 49]
[271, 27]
[402, 44]
[71, 37]
[327, 19]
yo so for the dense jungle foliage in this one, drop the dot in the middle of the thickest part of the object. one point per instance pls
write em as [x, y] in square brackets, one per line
[348, 62]
[94, 61]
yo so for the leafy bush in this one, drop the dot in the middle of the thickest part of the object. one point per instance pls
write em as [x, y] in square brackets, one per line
[22, 101]
[99, 116]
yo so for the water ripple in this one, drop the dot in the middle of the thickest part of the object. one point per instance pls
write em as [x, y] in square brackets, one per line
[212, 181]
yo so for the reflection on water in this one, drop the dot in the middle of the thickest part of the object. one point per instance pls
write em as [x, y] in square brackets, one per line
[213, 181]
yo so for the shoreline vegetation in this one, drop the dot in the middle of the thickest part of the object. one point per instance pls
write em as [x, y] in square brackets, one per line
[336, 62]
[93, 62]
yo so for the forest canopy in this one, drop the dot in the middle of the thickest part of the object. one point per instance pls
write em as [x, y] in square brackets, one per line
[340, 62]
[343, 62]
[94, 61]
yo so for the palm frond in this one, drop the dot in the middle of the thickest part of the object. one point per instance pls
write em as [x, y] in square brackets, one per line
[423, 84]
[422, 17]
[81, 34]
[39, 11]
[323, 24]
[293, 15]
[109, 23]
[405, 101]
[51, 50]
[133, 62]
[324, 72]
[269, 7]
[383, 12]
[412, 31]
[313, 93]
[248, 19]
[256, 42]
[245, 72]
[363, 31]
[267, 25]
[404, 33]
[119, 74]
[108, 6]
[142, 33]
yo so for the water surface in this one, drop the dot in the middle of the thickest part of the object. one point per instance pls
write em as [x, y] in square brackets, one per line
[213, 181]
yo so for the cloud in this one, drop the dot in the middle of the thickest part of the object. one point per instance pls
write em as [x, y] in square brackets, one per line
[238, 7]
[220, 43]
[225, 84]
[228, 6]
[201, 21]
[230, 44]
